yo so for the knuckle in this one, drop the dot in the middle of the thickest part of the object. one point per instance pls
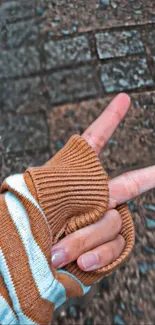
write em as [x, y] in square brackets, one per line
[109, 254]
[74, 247]
[87, 135]
[132, 185]
[115, 221]
[111, 251]
[68, 257]
[80, 245]
[97, 142]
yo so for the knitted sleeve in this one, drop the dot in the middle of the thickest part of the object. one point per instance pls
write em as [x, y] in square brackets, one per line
[38, 208]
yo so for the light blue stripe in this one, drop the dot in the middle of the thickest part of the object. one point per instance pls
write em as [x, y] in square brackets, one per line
[48, 287]
[7, 316]
[84, 288]
[58, 294]
[37, 261]
[17, 183]
[8, 281]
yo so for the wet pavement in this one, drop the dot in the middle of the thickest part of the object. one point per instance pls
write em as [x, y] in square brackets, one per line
[61, 62]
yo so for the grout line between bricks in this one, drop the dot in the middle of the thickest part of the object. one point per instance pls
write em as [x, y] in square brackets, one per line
[102, 94]
[96, 31]
[111, 28]
[74, 66]
[148, 56]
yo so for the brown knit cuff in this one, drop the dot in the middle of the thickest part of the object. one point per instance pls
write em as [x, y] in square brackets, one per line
[72, 190]
[88, 278]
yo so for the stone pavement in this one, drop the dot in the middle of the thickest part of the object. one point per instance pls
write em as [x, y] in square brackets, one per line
[61, 62]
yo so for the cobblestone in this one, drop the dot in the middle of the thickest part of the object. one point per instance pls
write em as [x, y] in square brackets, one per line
[64, 52]
[150, 37]
[20, 133]
[123, 75]
[17, 9]
[13, 163]
[19, 62]
[68, 85]
[39, 36]
[116, 43]
[16, 94]
[23, 32]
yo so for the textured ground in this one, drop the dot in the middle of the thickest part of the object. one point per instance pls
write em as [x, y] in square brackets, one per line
[60, 64]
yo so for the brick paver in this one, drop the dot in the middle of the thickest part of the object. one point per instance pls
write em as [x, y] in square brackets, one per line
[61, 62]
[66, 52]
[71, 84]
[125, 75]
[118, 43]
[22, 92]
[21, 32]
[19, 62]
[14, 10]
[23, 133]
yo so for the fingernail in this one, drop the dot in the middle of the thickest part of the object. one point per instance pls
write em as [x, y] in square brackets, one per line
[90, 261]
[58, 258]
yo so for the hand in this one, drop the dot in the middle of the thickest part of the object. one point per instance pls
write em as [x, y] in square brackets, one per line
[99, 244]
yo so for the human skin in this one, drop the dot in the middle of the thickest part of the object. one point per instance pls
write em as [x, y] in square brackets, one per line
[99, 244]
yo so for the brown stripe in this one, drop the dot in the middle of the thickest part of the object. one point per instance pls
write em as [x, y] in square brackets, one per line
[31, 186]
[73, 288]
[32, 305]
[4, 293]
[39, 226]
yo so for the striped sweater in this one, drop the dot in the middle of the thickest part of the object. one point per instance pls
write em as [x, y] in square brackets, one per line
[37, 209]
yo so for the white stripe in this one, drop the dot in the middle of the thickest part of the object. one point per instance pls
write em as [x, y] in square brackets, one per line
[48, 287]
[38, 263]
[7, 315]
[17, 183]
[8, 280]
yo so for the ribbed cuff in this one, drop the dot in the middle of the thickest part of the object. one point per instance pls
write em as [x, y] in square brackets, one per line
[72, 190]
[88, 278]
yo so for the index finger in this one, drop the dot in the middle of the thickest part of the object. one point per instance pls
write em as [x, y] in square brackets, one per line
[99, 132]
[129, 185]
